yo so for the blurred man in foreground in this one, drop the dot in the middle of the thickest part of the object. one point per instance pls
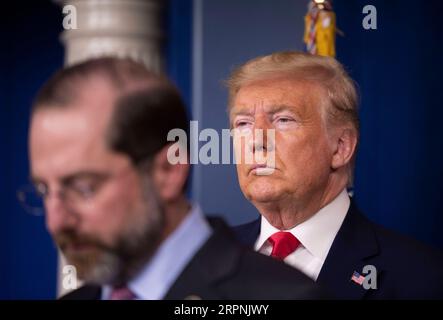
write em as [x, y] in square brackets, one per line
[311, 104]
[116, 206]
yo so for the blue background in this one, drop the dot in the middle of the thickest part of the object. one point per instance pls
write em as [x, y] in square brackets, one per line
[399, 175]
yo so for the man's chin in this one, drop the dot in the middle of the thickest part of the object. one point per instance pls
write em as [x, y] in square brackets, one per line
[264, 197]
[262, 193]
[93, 265]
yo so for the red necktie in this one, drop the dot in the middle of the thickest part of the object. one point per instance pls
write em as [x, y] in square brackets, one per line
[283, 244]
[121, 293]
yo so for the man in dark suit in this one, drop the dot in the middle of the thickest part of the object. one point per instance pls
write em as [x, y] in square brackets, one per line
[113, 188]
[222, 269]
[307, 105]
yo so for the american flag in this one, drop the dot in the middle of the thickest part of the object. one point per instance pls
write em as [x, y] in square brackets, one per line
[357, 278]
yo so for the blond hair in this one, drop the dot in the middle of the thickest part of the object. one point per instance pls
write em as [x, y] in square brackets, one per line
[324, 71]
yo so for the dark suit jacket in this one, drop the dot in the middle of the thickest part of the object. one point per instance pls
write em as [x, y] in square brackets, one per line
[224, 269]
[406, 269]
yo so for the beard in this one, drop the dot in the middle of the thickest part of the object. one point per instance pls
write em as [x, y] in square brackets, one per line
[99, 263]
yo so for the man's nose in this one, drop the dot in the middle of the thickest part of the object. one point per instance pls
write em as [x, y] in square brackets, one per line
[262, 136]
[59, 216]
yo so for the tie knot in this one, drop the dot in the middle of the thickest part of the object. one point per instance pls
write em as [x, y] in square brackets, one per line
[121, 293]
[283, 244]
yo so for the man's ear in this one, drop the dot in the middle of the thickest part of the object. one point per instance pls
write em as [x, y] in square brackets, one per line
[345, 144]
[169, 179]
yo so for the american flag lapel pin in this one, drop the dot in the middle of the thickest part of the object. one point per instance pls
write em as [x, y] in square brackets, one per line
[357, 278]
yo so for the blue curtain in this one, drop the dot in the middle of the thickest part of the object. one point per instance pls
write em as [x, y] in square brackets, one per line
[399, 69]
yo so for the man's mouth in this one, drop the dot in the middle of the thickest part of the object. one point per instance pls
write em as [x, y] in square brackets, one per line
[261, 170]
[78, 248]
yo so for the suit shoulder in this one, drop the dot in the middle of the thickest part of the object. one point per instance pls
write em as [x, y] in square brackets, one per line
[405, 247]
[413, 268]
[87, 292]
[393, 247]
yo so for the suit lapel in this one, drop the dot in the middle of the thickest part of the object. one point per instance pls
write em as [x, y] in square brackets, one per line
[354, 244]
[216, 260]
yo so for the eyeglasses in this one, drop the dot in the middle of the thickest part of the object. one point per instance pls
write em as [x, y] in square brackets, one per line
[76, 191]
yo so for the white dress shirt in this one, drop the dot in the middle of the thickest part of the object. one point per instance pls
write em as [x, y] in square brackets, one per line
[315, 235]
[170, 259]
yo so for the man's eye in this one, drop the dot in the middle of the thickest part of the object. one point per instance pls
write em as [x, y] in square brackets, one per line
[284, 120]
[242, 123]
[85, 190]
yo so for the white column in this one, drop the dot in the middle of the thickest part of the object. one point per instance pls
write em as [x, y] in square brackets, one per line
[121, 28]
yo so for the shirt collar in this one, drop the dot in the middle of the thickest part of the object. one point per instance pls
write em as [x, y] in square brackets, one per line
[155, 279]
[318, 232]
